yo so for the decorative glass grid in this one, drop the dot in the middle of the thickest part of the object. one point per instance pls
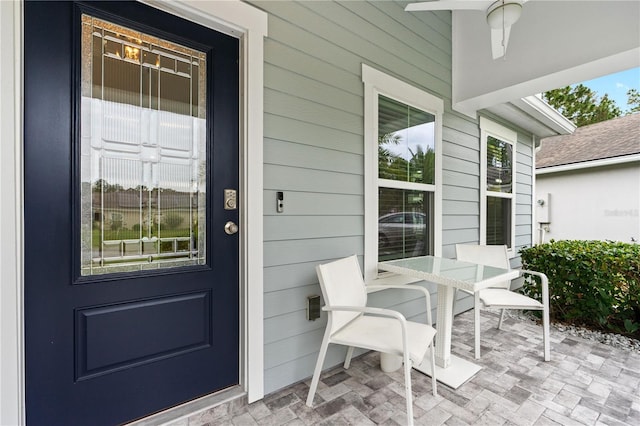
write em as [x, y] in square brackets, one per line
[143, 151]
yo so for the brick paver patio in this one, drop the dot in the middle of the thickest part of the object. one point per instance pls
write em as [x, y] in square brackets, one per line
[585, 383]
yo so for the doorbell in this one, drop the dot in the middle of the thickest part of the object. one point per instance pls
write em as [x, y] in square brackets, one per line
[279, 201]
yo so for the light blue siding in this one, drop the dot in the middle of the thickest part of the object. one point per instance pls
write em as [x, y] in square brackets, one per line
[524, 188]
[313, 152]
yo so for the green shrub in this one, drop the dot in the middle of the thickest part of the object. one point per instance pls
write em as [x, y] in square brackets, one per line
[592, 283]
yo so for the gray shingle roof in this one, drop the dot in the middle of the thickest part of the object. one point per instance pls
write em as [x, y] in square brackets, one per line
[607, 139]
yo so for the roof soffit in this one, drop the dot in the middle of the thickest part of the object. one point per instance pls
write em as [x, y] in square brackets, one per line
[554, 44]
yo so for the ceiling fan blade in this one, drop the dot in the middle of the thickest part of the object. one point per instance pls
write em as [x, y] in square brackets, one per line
[497, 48]
[449, 5]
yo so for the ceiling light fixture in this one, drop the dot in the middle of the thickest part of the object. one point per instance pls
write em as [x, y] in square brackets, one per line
[501, 15]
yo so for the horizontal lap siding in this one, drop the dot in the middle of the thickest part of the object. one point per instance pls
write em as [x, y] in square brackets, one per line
[524, 188]
[460, 176]
[313, 152]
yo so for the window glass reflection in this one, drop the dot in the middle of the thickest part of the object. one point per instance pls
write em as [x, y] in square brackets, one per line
[499, 165]
[406, 142]
[404, 223]
[143, 151]
[499, 221]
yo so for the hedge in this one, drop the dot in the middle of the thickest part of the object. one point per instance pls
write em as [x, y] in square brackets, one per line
[591, 283]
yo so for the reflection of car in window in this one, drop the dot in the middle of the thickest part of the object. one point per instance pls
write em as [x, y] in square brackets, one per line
[402, 232]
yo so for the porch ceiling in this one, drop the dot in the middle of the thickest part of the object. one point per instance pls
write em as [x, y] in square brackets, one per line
[554, 44]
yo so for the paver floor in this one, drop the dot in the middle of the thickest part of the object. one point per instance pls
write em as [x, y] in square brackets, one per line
[585, 383]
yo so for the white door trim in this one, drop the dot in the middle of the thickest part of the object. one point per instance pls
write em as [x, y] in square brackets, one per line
[11, 214]
[249, 25]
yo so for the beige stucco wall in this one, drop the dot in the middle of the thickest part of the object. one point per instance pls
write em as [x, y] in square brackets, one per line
[600, 203]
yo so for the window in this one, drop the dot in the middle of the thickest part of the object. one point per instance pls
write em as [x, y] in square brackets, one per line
[497, 208]
[403, 127]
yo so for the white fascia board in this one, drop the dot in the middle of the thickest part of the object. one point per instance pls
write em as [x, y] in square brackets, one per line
[589, 164]
[538, 108]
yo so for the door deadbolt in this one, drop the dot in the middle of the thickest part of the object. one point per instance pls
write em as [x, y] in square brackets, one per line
[230, 228]
[230, 199]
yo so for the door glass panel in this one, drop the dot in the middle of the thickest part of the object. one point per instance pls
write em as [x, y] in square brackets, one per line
[143, 151]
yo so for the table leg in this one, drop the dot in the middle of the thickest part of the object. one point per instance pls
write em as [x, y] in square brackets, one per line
[451, 370]
[444, 324]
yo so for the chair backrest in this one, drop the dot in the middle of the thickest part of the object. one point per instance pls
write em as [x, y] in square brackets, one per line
[342, 285]
[492, 255]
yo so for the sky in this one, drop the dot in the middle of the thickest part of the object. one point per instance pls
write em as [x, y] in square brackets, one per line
[616, 86]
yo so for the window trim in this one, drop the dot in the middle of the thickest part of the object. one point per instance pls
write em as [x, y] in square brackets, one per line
[491, 128]
[378, 83]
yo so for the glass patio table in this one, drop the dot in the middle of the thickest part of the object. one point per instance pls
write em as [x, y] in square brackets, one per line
[448, 274]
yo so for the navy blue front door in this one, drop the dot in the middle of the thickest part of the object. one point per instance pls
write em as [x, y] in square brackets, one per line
[131, 290]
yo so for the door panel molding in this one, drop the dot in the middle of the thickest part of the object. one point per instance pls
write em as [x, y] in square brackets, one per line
[156, 331]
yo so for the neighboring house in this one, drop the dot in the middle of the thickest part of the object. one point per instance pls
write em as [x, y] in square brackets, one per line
[588, 183]
[306, 103]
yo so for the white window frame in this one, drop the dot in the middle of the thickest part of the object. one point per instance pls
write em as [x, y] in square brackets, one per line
[491, 128]
[378, 83]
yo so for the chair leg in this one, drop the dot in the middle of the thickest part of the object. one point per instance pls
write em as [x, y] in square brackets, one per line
[476, 324]
[347, 360]
[407, 389]
[455, 301]
[318, 370]
[433, 369]
[501, 319]
[545, 334]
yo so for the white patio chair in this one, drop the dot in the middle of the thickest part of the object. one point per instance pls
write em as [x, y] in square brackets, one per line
[500, 295]
[353, 324]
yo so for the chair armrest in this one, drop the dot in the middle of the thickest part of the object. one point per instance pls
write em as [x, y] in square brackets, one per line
[368, 310]
[544, 283]
[381, 312]
[409, 287]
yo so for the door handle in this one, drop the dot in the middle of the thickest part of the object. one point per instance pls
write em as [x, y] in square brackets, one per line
[230, 228]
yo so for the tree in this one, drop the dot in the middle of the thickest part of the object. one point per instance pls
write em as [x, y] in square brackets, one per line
[390, 165]
[104, 185]
[633, 101]
[581, 105]
[419, 168]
